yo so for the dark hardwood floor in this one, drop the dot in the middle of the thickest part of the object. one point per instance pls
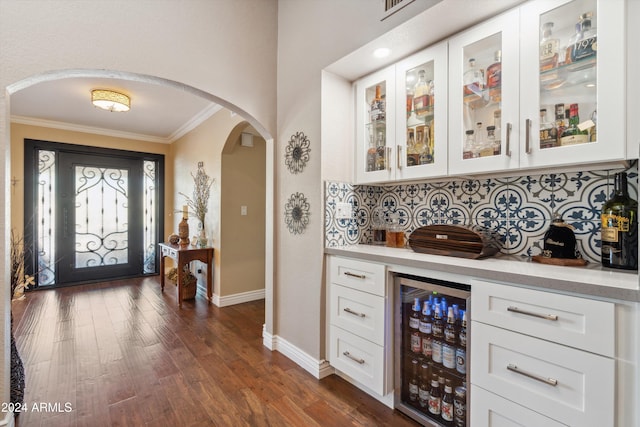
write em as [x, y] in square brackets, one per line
[123, 354]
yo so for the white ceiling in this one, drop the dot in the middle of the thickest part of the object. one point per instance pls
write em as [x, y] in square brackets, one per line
[158, 113]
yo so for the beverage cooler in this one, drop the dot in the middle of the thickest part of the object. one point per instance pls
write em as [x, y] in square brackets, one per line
[431, 350]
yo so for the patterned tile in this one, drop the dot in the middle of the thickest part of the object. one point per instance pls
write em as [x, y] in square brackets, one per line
[519, 208]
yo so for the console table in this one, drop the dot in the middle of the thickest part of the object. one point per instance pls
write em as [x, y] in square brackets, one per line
[183, 255]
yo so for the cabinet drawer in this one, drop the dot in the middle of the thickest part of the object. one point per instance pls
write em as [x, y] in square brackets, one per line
[360, 275]
[491, 410]
[358, 312]
[568, 385]
[358, 358]
[577, 322]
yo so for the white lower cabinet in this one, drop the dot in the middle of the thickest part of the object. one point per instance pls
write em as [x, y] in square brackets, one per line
[491, 410]
[542, 354]
[359, 312]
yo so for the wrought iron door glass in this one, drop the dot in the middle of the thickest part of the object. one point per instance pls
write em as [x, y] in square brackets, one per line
[101, 213]
[46, 217]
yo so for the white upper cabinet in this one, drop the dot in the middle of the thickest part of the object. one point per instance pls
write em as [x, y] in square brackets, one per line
[375, 120]
[421, 114]
[409, 140]
[579, 77]
[484, 97]
[559, 96]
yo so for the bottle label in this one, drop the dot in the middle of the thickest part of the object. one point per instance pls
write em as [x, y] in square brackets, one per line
[435, 405]
[414, 323]
[416, 345]
[425, 327]
[423, 396]
[448, 356]
[413, 391]
[461, 361]
[447, 411]
[426, 347]
[584, 49]
[436, 351]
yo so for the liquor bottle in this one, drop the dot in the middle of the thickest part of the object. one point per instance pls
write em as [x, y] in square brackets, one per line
[620, 227]
[421, 95]
[549, 47]
[461, 350]
[371, 154]
[460, 407]
[425, 150]
[381, 156]
[473, 80]
[586, 43]
[493, 145]
[469, 143]
[494, 78]
[437, 330]
[572, 134]
[560, 125]
[435, 396]
[414, 327]
[423, 387]
[412, 154]
[446, 407]
[548, 132]
[377, 107]
[497, 123]
[450, 341]
[413, 381]
[572, 41]
[426, 323]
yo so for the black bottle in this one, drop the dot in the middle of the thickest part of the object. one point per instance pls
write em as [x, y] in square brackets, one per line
[620, 227]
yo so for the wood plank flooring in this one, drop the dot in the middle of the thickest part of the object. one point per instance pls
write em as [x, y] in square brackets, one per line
[122, 353]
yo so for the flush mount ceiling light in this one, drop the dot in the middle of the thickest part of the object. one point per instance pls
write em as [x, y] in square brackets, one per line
[110, 100]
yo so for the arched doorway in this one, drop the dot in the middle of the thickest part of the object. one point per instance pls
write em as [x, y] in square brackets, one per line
[152, 80]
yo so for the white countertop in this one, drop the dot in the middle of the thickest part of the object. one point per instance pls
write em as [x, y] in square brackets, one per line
[592, 279]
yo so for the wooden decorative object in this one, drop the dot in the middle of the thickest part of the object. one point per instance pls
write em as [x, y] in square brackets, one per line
[570, 262]
[464, 241]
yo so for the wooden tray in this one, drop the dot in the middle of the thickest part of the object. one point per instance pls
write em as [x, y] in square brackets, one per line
[571, 262]
[464, 241]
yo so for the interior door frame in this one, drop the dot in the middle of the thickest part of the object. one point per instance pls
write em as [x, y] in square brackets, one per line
[31, 148]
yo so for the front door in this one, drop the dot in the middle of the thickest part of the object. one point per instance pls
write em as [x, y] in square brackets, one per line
[98, 217]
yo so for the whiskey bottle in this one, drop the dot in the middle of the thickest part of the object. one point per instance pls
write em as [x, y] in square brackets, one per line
[572, 134]
[421, 95]
[494, 77]
[548, 132]
[377, 108]
[473, 80]
[548, 48]
[586, 44]
[620, 227]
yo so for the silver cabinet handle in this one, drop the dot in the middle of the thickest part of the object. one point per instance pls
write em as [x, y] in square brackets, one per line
[527, 145]
[546, 380]
[357, 276]
[355, 359]
[508, 147]
[355, 313]
[388, 159]
[398, 160]
[552, 317]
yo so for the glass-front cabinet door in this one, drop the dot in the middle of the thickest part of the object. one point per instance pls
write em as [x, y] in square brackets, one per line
[572, 82]
[375, 119]
[483, 97]
[421, 127]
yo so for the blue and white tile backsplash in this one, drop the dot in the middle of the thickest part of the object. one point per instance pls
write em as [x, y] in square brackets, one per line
[519, 209]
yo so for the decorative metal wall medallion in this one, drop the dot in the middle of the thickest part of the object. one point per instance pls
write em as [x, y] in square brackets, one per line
[296, 213]
[297, 153]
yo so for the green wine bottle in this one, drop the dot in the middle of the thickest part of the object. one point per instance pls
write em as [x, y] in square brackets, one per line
[620, 228]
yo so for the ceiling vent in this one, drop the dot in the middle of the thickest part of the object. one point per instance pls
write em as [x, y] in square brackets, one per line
[392, 6]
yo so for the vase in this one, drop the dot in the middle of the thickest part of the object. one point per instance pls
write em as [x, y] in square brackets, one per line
[202, 238]
[183, 232]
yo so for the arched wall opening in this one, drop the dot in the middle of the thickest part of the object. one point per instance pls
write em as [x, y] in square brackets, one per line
[259, 129]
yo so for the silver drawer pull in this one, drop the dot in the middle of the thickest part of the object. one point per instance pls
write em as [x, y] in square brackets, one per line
[355, 313]
[531, 313]
[355, 359]
[357, 276]
[550, 381]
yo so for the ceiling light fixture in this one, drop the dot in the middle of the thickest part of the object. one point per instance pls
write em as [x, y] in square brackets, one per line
[381, 52]
[110, 100]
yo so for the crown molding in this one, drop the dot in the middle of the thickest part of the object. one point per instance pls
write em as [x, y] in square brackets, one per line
[193, 123]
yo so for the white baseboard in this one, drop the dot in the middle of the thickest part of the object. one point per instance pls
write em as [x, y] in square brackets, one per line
[235, 298]
[318, 368]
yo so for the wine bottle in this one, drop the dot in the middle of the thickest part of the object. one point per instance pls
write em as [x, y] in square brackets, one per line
[620, 227]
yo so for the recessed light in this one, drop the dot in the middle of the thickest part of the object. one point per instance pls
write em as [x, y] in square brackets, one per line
[381, 52]
[590, 85]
